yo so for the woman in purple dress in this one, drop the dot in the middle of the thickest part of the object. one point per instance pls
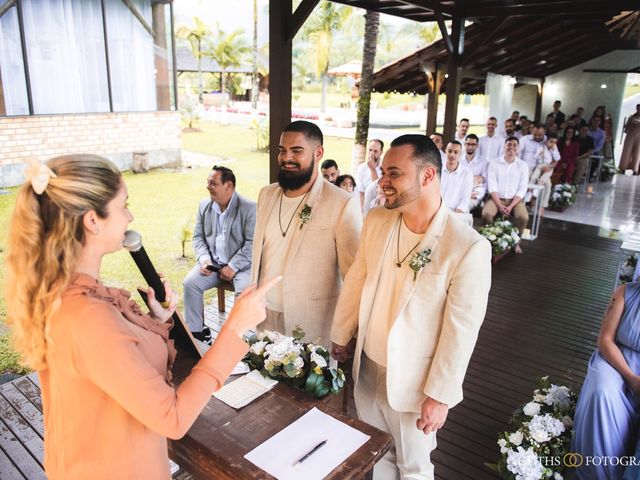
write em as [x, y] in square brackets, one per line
[606, 419]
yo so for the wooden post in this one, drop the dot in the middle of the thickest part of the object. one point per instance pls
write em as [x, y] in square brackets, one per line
[434, 85]
[538, 113]
[280, 50]
[161, 57]
[454, 71]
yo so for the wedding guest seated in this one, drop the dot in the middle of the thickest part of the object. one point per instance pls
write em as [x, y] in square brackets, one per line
[461, 130]
[104, 365]
[585, 150]
[568, 147]
[507, 181]
[456, 180]
[478, 166]
[346, 182]
[531, 149]
[490, 145]
[330, 171]
[437, 138]
[547, 161]
[607, 419]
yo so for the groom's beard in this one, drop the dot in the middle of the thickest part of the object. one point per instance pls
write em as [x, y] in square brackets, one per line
[294, 180]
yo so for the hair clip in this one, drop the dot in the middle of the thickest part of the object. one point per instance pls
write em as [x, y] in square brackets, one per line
[39, 175]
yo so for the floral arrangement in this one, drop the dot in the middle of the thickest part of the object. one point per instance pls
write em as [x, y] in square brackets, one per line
[563, 196]
[627, 269]
[419, 261]
[608, 170]
[305, 215]
[304, 366]
[502, 235]
[536, 448]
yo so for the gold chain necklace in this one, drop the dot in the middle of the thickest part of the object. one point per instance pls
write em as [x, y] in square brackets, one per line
[284, 232]
[400, 262]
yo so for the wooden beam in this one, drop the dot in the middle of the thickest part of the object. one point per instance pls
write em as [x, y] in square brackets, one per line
[300, 16]
[596, 70]
[4, 8]
[550, 7]
[432, 6]
[280, 51]
[443, 31]
[140, 18]
[434, 85]
[454, 72]
[487, 34]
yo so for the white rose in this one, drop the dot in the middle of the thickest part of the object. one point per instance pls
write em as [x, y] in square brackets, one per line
[502, 442]
[516, 438]
[531, 409]
[557, 476]
[540, 436]
[298, 362]
[539, 398]
[258, 348]
[318, 360]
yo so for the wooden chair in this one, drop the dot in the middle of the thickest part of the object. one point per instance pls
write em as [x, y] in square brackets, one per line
[221, 288]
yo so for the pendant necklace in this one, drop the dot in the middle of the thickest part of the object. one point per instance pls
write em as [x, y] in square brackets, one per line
[400, 262]
[284, 232]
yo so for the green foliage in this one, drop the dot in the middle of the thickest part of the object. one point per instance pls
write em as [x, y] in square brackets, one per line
[185, 235]
[9, 359]
[261, 126]
[228, 50]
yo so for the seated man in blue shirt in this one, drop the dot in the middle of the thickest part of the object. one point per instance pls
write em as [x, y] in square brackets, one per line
[222, 240]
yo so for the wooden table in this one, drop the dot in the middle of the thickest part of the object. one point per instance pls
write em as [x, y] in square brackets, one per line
[215, 446]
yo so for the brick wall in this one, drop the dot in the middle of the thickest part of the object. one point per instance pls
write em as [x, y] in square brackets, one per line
[112, 135]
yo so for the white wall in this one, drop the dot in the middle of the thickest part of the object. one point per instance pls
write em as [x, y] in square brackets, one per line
[524, 100]
[576, 88]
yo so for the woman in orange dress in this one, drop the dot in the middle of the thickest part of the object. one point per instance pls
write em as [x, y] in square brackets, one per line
[104, 365]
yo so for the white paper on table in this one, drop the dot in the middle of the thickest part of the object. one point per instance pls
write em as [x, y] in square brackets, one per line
[240, 368]
[278, 454]
[246, 389]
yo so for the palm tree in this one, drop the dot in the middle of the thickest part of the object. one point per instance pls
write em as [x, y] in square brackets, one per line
[371, 25]
[254, 79]
[196, 36]
[320, 28]
[228, 50]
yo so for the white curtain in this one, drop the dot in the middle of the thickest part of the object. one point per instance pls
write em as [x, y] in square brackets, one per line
[65, 49]
[14, 86]
[499, 92]
[131, 57]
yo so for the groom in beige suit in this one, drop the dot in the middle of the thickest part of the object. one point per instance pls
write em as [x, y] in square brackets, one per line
[415, 297]
[307, 230]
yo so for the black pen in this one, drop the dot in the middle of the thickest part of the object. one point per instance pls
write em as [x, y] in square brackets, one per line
[311, 452]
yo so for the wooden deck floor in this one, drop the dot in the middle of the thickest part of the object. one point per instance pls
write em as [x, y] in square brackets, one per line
[543, 318]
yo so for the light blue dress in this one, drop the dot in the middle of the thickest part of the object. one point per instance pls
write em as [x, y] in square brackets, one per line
[606, 419]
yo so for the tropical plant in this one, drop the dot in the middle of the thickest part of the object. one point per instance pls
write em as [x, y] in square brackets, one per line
[320, 29]
[196, 37]
[371, 25]
[228, 50]
[190, 110]
[186, 233]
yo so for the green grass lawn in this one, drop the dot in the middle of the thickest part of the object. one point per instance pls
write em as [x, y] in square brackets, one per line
[163, 202]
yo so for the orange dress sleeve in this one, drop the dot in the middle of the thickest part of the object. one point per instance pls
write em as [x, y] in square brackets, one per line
[107, 353]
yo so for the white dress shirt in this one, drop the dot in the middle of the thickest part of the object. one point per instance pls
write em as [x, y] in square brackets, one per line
[363, 176]
[508, 179]
[219, 248]
[532, 152]
[456, 187]
[490, 147]
[477, 165]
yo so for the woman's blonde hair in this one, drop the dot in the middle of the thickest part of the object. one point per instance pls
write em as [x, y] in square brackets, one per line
[45, 238]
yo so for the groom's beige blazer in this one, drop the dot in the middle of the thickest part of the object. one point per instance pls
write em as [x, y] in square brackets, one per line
[437, 318]
[320, 253]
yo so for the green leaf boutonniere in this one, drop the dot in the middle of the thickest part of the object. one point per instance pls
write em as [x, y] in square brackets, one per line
[305, 215]
[418, 262]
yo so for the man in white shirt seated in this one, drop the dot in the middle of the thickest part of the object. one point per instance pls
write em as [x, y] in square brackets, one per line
[507, 181]
[461, 130]
[478, 166]
[437, 138]
[544, 169]
[369, 171]
[490, 145]
[532, 147]
[456, 180]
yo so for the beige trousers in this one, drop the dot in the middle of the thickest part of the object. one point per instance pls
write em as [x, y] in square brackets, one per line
[274, 322]
[409, 459]
[519, 213]
[544, 179]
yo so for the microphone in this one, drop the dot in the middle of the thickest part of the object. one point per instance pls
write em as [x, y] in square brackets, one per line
[133, 243]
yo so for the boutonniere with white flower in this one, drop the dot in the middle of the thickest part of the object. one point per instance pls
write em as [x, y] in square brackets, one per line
[305, 215]
[418, 262]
